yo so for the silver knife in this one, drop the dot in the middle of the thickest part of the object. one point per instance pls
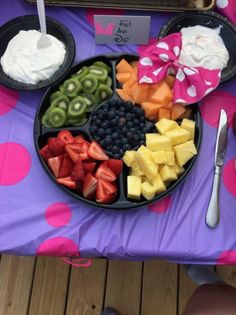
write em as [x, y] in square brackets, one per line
[213, 211]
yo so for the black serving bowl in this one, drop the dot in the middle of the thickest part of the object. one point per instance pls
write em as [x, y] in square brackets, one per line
[41, 135]
[30, 22]
[212, 20]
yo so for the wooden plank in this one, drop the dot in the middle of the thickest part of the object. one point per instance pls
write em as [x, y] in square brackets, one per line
[16, 276]
[87, 289]
[50, 286]
[227, 273]
[159, 293]
[186, 289]
[123, 290]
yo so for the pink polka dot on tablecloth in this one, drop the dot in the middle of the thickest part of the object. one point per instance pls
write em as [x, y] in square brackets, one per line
[229, 176]
[161, 206]
[8, 100]
[58, 246]
[142, 48]
[58, 214]
[213, 103]
[91, 12]
[227, 257]
[15, 163]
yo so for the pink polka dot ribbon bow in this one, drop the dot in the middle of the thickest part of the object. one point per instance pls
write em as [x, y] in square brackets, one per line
[161, 58]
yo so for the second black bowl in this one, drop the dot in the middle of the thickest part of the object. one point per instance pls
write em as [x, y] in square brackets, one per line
[212, 20]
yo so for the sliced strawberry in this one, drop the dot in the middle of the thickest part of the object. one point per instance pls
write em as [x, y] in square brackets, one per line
[105, 173]
[45, 153]
[78, 172]
[89, 167]
[67, 181]
[65, 136]
[56, 146]
[105, 192]
[77, 151]
[54, 164]
[80, 139]
[96, 152]
[89, 187]
[66, 166]
[115, 165]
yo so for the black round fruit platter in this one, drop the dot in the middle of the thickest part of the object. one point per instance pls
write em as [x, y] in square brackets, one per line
[42, 133]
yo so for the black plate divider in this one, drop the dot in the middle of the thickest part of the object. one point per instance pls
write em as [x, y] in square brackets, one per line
[41, 135]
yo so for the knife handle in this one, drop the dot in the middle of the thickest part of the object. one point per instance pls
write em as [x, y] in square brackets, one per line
[213, 211]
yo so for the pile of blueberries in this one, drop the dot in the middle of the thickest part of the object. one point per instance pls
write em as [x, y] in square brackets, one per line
[118, 126]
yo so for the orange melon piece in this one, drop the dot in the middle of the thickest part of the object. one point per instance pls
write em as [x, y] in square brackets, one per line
[132, 80]
[134, 64]
[123, 66]
[122, 77]
[170, 79]
[139, 92]
[177, 110]
[187, 113]
[164, 113]
[125, 97]
[162, 94]
[151, 110]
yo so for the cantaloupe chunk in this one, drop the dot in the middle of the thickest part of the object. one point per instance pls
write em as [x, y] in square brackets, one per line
[131, 81]
[164, 113]
[162, 94]
[139, 92]
[177, 110]
[125, 97]
[187, 113]
[122, 77]
[123, 66]
[151, 110]
[170, 80]
[134, 64]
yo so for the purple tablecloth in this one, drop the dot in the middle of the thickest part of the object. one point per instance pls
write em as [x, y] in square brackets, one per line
[38, 218]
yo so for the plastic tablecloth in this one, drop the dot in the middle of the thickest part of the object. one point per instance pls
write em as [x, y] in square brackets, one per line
[38, 218]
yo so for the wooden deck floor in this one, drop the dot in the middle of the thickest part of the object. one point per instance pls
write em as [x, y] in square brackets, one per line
[47, 286]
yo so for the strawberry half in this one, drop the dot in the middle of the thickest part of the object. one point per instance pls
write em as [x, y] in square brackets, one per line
[80, 139]
[56, 146]
[89, 187]
[67, 181]
[105, 192]
[55, 163]
[77, 151]
[66, 166]
[115, 165]
[78, 172]
[105, 173]
[65, 136]
[89, 167]
[96, 152]
[45, 153]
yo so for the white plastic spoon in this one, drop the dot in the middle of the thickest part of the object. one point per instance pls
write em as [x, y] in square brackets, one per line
[44, 41]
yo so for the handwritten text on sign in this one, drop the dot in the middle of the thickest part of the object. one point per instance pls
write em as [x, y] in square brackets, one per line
[114, 29]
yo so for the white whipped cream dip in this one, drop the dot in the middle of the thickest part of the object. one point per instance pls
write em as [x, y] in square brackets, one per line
[203, 47]
[23, 61]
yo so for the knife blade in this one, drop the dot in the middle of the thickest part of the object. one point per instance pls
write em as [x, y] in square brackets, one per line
[213, 211]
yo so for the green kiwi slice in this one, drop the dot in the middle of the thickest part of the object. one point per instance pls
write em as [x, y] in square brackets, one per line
[77, 107]
[90, 99]
[61, 102]
[103, 64]
[72, 87]
[81, 73]
[57, 117]
[45, 119]
[103, 92]
[77, 121]
[61, 88]
[108, 82]
[55, 95]
[89, 83]
[100, 72]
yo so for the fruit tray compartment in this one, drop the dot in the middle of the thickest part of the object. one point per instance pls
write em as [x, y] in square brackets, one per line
[41, 135]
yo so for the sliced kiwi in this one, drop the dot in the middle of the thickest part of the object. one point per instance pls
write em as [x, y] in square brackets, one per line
[108, 82]
[57, 117]
[90, 99]
[77, 107]
[77, 121]
[81, 73]
[103, 64]
[89, 83]
[55, 95]
[61, 88]
[45, 119]
[61, 102]
[100, 72]
[103, 92]
[72, 87]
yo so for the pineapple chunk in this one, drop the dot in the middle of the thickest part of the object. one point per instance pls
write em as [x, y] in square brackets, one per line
[177, 169]
[170, 158]
[146, 164]
[148, 191]
[189, 125]
[129, 157]
[178, 136]
[162, 157]
[157, 142]
[184, 152]
[145, 151]
[164, 125]
[167, 174]
[135, 169]
[158, 183]
[134, 187]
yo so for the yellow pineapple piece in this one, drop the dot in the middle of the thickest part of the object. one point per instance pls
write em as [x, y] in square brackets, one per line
[164, 125]
[129, 157]
[177, 169]
[178, 135]
[135, 169]
[148, 191]
[162, 157]
[157, 142]
[146, 164]
[189, 125]
[145, 151]
[170, 158]
[184, 152]
[134, 187]
[167, 174]
[158, 184]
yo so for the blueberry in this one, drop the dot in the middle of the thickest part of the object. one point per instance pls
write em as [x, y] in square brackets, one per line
[122, 114]
[98, 122]
[105, 124]
[122, 108]
[128, 116]
[130, 124]
[122, 120]
[129, 135]
[142, 136]
[124, 141]
[118, 142]
[115, 136]
[111, 114]
[102, 142]
[101, 132]
[136, 137]
[133, 130]
[107, 140]
[136, 121]
[97, 138]
[124, 130]
[108, 131]
[115, 149]
[93, 128]
[142, 125]
[104, 111]
[114, 122]
[116, 156]
[127, 146]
